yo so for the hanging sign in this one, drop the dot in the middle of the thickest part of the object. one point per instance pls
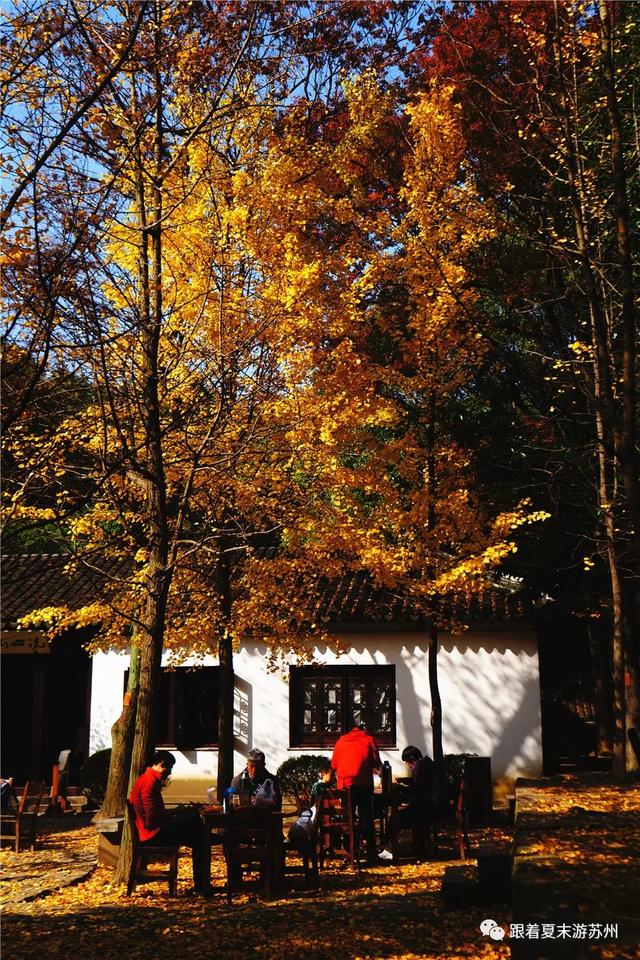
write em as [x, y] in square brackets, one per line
[24, 641]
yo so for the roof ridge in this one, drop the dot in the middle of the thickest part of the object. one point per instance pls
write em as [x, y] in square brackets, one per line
[18, 556]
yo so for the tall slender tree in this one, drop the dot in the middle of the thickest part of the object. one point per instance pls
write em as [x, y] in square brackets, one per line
[545, 130]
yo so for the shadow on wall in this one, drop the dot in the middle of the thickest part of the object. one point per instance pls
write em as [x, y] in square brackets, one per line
[490, 698]
[415, 704]
[518, 750]
[254, 696]
[485, 642]
[242, 716]
[494, 710]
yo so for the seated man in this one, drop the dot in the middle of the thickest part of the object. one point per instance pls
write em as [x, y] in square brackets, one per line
[418, 795]
[254, 775]
[162, 827]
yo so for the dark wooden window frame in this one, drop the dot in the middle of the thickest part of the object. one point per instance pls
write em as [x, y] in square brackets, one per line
[166, 734]
[344, 677]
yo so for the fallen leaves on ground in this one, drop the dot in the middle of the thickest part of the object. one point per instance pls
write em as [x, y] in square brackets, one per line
[394, 912]
[581, 835]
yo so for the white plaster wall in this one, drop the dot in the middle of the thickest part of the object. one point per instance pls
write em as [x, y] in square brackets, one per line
[489, 683]
[107, 688]
[195, 770]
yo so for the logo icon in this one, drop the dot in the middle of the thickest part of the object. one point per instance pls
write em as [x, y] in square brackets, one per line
[490, 928]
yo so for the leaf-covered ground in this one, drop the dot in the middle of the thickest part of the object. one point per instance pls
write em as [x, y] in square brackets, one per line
[393, 911]
[581, 835]
[388, 911]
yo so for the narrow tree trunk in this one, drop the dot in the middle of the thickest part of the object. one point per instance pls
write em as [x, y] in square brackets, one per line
[619, 692]
[601, 673]
[608, 432]
[150, 660]
[434, 688]
[122, 743]
[227, 678]
[436, 703]
[628, 450]
[158, 573]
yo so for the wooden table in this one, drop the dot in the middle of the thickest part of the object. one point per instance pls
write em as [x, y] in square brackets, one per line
[216, 824]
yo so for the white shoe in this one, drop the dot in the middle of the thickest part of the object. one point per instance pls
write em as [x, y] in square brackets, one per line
[385, 855]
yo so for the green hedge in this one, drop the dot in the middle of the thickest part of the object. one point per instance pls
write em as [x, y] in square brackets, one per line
[454, 766]
[297, 775]
[93, 777]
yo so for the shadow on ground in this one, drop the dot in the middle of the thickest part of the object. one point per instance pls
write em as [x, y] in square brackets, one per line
[380, 918]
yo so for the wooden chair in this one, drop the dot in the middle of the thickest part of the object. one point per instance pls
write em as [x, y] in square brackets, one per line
[144, 854]
[336, 822]
[11, 820]
[453, 820]
[420, 831]
[250, 842]
[21, 825]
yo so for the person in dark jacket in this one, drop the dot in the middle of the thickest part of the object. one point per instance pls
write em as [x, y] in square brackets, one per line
[419, 793]
[418, 796]
[254, 775]
[163, 827]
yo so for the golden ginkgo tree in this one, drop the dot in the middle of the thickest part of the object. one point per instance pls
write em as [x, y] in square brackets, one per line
[386, 291]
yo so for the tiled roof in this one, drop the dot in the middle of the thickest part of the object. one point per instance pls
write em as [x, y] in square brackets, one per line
[30, 581]
[353, 598]
[34, 580]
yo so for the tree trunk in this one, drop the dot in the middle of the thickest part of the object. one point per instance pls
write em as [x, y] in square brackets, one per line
[601, 673]
[158, 573]
[619, 693]
[122, 743]
[436, 703]
[434, 688]
[630, 520]
[227, 678]
[609, 435]
[150, 661]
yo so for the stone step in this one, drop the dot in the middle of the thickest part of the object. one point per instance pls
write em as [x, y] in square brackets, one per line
[461, 886]
[495, 863]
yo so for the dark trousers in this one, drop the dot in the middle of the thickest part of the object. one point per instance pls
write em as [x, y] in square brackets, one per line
[362, 802]
[184, 830]
[413, 817]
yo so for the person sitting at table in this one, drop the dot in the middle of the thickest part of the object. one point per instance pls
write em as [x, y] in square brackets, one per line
[164, 827]
[254, 776]
[9, 801]
[325, 773]
[418, 796]
[325, 776]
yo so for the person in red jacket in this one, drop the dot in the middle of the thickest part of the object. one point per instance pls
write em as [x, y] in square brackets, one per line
[166, 828]
[355, 757]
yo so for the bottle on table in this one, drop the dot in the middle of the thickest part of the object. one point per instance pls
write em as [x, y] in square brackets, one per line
[386, 777]
[231, 799]
[245, 789]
